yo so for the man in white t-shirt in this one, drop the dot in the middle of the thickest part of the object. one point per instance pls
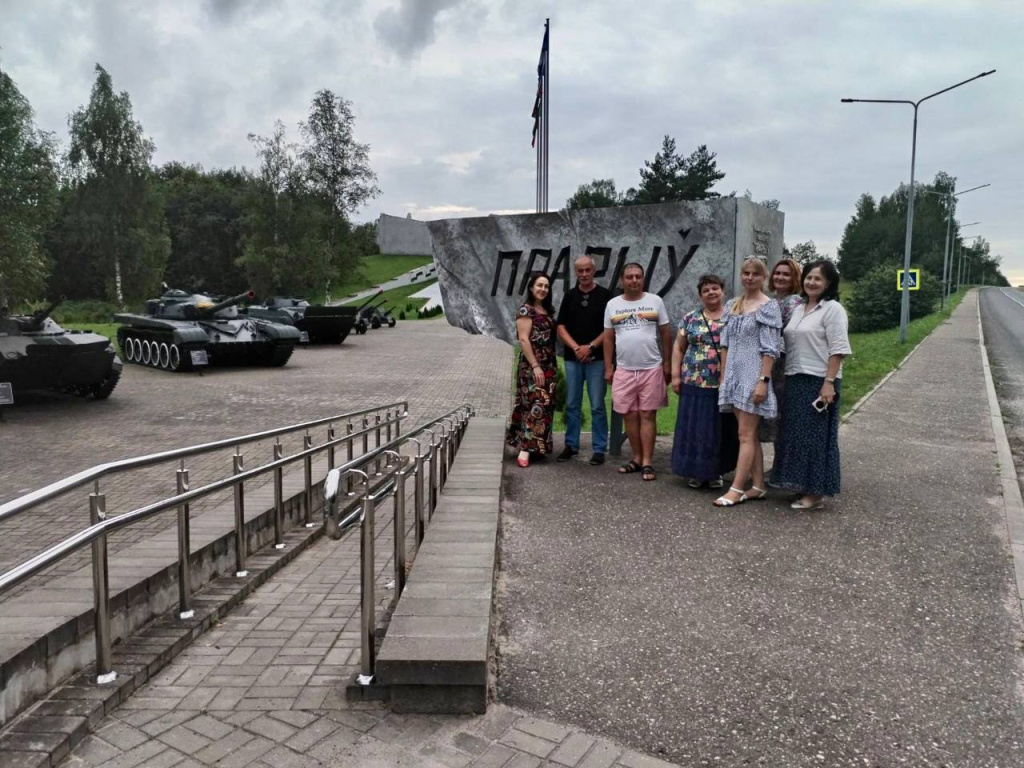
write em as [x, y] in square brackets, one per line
[634, 324]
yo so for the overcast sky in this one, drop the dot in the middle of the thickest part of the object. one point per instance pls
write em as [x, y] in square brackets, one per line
[442, 92]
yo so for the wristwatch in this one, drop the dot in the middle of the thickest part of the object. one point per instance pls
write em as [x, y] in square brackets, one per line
[591, 347]
[766, 379]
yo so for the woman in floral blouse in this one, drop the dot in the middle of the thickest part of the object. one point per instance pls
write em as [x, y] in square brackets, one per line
[530, 428]
[705, 444]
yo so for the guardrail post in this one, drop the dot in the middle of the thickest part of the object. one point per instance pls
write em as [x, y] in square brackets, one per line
[376, 464]
[399, 531]
[101, 589]
[421, 524]
[331, 437]
[366, 435]
[240, 571]
[442, 470]
[367, 610]
[433, 480]
[278, 498]
[307, 443]
[184, 550]
[398, 420]
[349, 483]
[387, 417]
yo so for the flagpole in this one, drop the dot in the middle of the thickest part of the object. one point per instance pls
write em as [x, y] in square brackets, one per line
[547, 106]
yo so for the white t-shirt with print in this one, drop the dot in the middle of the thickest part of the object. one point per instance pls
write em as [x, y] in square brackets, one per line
[636, 330]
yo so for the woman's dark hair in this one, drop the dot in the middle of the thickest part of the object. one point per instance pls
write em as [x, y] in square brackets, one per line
[549, 307]
[831, 275]
[709, 279]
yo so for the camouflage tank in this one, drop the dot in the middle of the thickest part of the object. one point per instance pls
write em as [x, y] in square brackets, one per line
[182, 331]
[316, 324]
[36, 353]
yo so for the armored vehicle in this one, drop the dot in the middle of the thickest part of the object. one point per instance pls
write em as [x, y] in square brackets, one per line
[181, 331]
[316, 324]
[36, 353]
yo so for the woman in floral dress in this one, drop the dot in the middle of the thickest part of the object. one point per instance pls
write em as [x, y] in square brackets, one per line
[706, 444]
[530, 428]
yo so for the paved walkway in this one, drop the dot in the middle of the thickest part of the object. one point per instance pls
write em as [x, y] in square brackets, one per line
[885, 631]
[266, 690]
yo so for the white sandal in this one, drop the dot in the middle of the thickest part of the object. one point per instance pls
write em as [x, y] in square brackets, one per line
[800, 504]
[757, 494]
[721, 501]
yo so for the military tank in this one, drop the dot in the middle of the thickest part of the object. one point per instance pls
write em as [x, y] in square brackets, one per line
[316, 324]
[182, 331]
[36, 353]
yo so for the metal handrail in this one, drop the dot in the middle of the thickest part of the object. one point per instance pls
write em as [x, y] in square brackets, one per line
[93, 474]
[100, 525]
[393, 485]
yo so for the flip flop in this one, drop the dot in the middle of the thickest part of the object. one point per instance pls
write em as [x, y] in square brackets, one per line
[629, 467]
[799, 504]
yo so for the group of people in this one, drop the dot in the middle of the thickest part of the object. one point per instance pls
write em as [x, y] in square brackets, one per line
[756, 368]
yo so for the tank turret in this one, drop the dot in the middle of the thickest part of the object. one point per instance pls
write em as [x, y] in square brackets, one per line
[316, 324]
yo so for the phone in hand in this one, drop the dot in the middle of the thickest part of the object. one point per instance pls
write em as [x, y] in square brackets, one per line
[819, 405]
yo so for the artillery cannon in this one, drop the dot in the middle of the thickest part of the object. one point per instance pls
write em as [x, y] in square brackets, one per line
[364, 312]
[181, 331]
[36, 353]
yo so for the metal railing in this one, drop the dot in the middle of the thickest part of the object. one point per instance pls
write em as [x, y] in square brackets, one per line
[385, 430]
[440, 452]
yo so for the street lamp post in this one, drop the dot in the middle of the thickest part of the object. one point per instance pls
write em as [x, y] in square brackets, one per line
[947, 272]
[905, 301]
[960, 255]
[970, 260]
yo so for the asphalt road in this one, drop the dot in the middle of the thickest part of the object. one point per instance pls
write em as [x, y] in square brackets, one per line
[1002, 316]
[885, 631]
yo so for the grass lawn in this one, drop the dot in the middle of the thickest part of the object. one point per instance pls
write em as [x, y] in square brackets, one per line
[874, 355]
[398, 299]
[377, 269]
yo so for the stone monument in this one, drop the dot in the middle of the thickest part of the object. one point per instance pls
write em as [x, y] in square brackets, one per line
[484, 262]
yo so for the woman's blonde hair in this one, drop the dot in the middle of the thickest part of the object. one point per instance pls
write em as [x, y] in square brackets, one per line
[737, 306]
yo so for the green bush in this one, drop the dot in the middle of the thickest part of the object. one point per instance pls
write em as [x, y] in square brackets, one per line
[401, 315]
[432, 312]
[875, 306]
[86, 312]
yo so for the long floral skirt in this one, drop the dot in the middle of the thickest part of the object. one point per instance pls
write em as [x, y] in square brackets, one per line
[530, 427]
[807, 458]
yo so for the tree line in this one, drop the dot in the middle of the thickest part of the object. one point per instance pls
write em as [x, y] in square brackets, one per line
[96, 220]
[874, 236]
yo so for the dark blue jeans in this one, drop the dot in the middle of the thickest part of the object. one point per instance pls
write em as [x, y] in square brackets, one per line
[576, 375]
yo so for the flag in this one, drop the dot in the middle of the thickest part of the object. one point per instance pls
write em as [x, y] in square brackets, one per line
[541, 72]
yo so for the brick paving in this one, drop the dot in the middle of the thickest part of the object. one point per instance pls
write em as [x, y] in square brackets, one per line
[267, 688]
[44, 438]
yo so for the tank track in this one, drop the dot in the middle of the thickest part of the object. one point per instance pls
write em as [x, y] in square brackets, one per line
[280, 354]
[99, 390]
[153, 350]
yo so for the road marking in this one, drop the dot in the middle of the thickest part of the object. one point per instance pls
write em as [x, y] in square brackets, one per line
[1012, 298]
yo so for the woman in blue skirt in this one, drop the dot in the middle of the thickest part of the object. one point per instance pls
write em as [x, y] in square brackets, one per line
[705, 444]
[807, 459]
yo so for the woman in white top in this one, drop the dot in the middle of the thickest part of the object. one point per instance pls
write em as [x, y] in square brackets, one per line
[807, 459]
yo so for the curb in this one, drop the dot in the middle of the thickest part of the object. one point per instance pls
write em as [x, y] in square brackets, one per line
[1013, 503]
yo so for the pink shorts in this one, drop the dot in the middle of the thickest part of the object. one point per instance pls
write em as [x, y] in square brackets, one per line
[639, 390]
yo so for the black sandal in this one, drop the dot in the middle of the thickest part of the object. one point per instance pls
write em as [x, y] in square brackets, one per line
[630, 467]
[648, 473]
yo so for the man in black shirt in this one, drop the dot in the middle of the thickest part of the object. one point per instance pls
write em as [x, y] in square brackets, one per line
[581, 328]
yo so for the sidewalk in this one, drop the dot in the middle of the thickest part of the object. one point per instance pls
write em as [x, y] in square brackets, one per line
[883, 631]
[267, 689]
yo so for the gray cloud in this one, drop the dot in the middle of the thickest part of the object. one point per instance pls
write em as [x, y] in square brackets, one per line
[410, 27]
[448, 119]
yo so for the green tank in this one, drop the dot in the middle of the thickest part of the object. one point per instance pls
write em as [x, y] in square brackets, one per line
[182, 331]
[36, 353]
[317, 324]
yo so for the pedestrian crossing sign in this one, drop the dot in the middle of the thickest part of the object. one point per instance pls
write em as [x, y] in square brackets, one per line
[913, 279]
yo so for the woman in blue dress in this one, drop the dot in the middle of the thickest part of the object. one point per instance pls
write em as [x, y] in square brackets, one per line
[750, 343]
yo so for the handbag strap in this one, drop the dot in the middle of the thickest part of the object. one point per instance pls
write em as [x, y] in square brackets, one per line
[711, 334]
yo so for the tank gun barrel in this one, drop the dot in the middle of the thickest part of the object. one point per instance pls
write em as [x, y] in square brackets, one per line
[38, 318]
[211, 311]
